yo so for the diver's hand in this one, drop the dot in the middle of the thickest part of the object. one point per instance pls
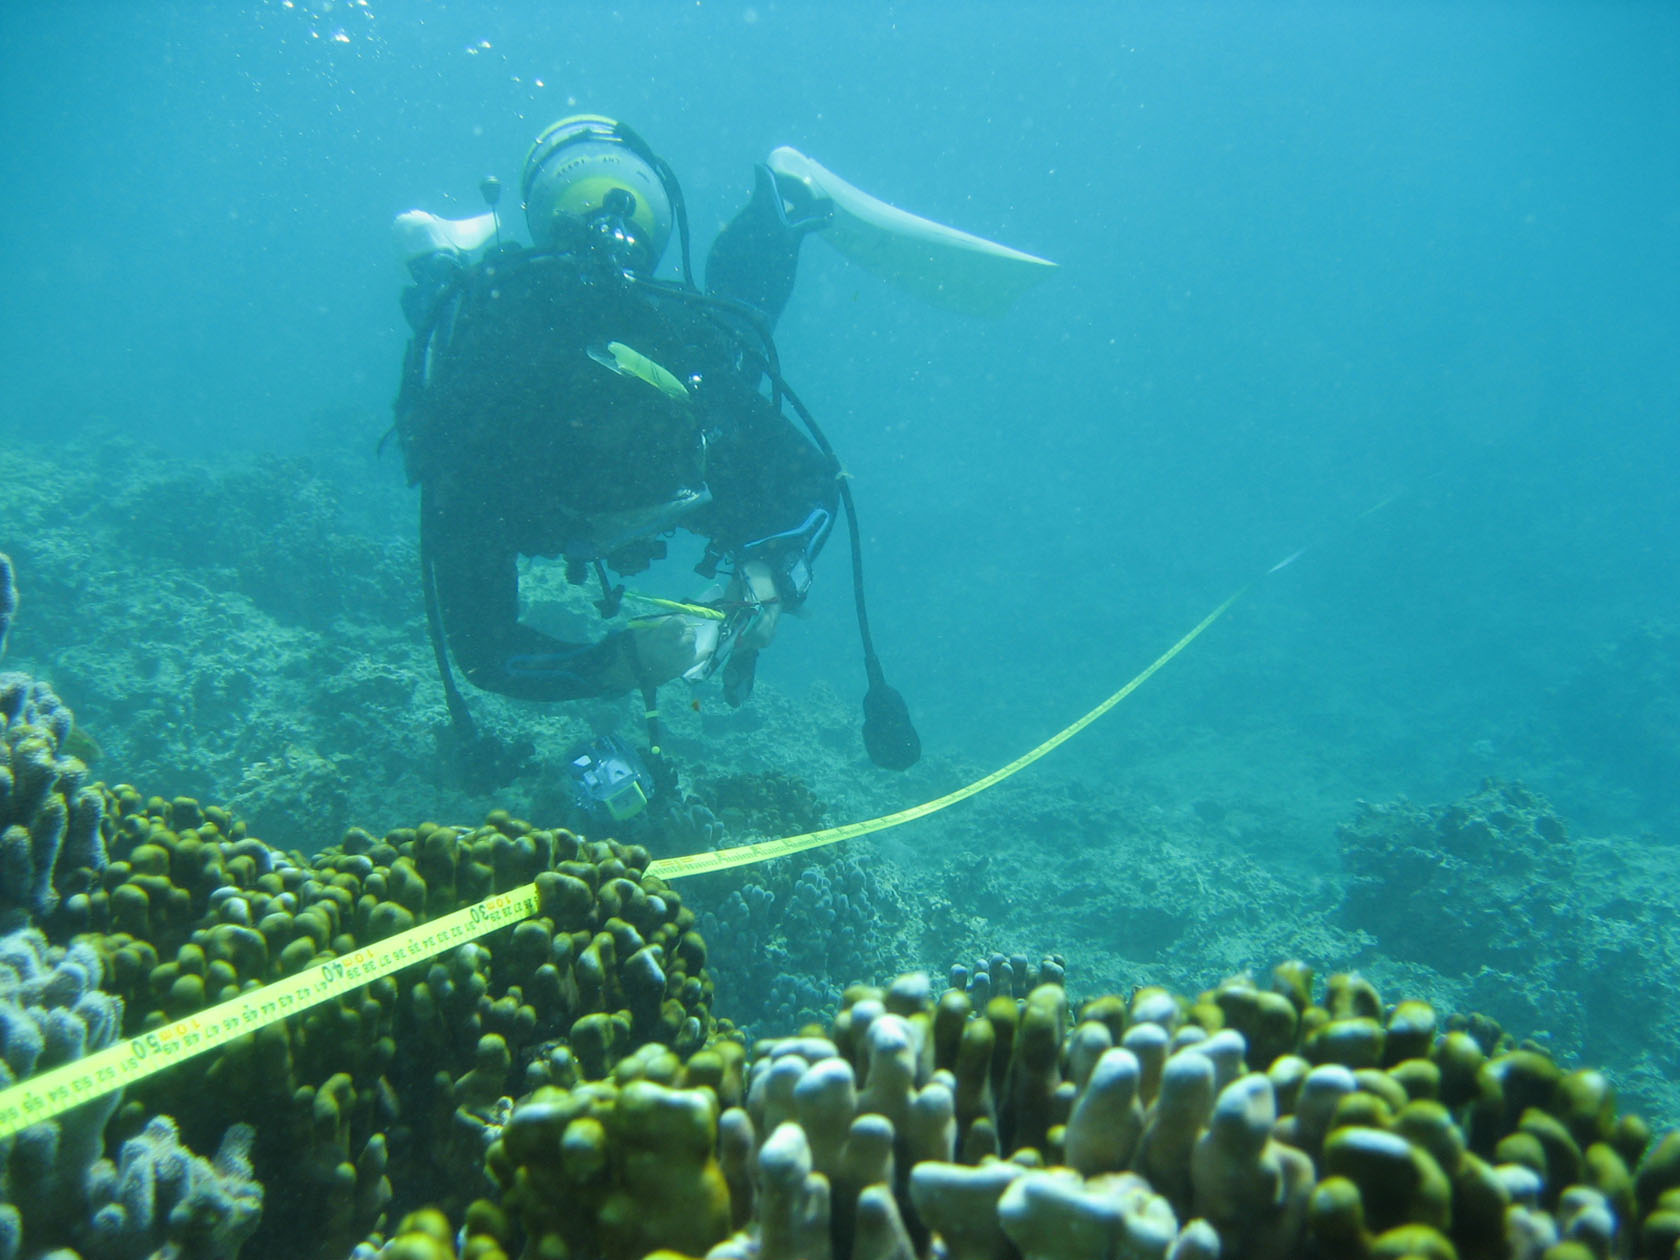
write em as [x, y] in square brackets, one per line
[738, 677]
[675, 645]
[693, 645]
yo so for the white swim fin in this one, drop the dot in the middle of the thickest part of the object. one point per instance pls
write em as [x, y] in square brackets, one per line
[936, 263]
[418, 234]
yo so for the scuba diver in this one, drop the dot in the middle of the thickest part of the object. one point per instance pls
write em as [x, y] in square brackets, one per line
[559, 400]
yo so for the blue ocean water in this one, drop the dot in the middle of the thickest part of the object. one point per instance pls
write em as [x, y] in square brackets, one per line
[1315, 258]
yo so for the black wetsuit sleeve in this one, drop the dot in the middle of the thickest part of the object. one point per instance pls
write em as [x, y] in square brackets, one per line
[476, 577]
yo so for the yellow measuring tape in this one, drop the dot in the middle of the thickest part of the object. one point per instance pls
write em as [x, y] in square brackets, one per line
[746, 854]
[57, 1090]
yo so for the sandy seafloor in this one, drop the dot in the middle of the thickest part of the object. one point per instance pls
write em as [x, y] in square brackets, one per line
[242, 632]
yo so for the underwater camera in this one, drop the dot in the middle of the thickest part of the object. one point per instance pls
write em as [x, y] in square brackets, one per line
[610, 777]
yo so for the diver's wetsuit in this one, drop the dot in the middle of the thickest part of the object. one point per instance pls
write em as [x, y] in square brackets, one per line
[524, 441]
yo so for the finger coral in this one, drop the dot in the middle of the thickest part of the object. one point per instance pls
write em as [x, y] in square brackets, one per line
[49, 818]
[1143, 1130]
[8, 598]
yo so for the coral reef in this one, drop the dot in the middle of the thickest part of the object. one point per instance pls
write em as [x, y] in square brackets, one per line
[1248, 1122]
[173, 906]
[57, 1190]
[51, 1012]
[278, 639]
[564, 1088]
[49, 820]
[1519, 918]
[615, 1169]
[769, 803]
[316, 573]
[191, 910]
[1498, 858]
[1126, 888]
[8, 599]
[159, 1199]
[790, 934]
[1013, 975]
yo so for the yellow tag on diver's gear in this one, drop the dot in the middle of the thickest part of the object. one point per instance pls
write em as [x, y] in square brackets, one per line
[676, 606]
[617, 357]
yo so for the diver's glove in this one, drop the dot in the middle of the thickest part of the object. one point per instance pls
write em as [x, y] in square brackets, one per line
[754, 602]
[673, 645]
[696, 641]
[432, 273]
[738, 678]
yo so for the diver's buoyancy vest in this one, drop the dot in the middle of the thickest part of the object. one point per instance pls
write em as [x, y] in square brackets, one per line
[510, 394]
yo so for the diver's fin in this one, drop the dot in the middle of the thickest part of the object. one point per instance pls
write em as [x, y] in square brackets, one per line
[418, 234]
[938, 264]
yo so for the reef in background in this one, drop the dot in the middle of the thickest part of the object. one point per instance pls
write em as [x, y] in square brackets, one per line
[1503, 910]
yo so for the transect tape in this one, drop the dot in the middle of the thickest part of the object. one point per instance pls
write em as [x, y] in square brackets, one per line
[764, 850]
[55, 1091]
